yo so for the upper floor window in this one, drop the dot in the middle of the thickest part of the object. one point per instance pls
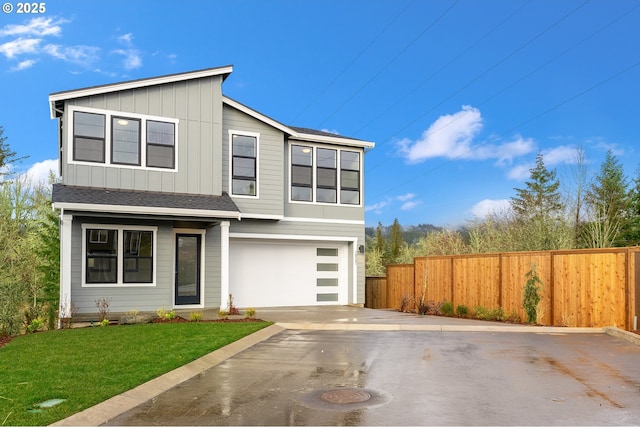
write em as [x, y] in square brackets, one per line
[336, 172]
[301, 173]
[244, 170]
[129, 140]
[88, 137]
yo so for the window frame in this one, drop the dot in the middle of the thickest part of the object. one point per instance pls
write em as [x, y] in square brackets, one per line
[256, 160]
[315, 167]
[306, 167]
[74, 136]
[109, 116]
[120, 255]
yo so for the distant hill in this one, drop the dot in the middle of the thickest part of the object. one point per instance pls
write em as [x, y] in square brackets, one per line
[410, 233]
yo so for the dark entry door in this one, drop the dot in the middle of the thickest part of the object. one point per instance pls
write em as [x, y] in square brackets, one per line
[187, 281]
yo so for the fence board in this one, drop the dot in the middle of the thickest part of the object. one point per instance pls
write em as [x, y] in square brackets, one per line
[588, 288]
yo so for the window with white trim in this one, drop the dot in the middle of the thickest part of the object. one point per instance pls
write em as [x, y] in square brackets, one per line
[118, 255]
[325, 175]
[244, 167]
[130, 140]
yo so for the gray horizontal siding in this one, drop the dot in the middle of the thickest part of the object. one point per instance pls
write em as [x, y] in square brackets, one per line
[270, 163]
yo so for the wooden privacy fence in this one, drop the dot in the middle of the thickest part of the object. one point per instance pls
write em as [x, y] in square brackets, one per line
[587, 288]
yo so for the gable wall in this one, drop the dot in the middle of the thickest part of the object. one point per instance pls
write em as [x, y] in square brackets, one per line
[198, 106]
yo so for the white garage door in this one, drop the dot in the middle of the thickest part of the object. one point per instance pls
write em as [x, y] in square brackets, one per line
[267, 273]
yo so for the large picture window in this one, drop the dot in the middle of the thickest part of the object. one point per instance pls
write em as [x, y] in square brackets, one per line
[243, 165]
[119, 255]
[325, 175]
[130, 140]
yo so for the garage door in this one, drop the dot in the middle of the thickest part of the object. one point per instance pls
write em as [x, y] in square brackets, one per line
[267, 273]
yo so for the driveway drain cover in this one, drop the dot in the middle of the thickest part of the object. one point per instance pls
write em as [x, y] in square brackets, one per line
[345, 399]
[348, 395]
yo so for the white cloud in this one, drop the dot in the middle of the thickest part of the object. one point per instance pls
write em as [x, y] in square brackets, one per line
[38, 173]
[452, 136]
[132, 58]
[560, 154]
[23, 65]
[520, 172]
[405, 197]
[376, 207]
[35, 27]
[80, 54]
[488, 206]
[126, 39]
[19, 46]
[407, 206]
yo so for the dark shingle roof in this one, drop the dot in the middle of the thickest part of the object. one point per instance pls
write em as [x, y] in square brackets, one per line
[320, 133]
[108, 196]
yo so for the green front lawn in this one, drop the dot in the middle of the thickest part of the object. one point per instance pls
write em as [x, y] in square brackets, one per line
[89, 365]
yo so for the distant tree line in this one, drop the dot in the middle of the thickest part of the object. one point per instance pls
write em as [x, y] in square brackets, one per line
[29, 250]
[584, 212]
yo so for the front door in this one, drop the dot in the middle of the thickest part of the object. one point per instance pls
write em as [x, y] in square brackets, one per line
[188, 269]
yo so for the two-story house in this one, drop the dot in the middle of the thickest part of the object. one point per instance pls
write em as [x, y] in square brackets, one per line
[176, 196]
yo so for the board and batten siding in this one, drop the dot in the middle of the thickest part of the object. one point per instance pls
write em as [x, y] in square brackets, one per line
[124, 297]
[197, 104]
[329, 231]
[270, 160]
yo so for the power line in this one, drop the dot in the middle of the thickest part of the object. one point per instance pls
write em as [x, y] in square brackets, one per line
[451, 61]
[531, 119]
[341, 73]
[390, 62]
[525, 76]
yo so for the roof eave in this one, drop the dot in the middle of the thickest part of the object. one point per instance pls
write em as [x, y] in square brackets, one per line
[57, 97]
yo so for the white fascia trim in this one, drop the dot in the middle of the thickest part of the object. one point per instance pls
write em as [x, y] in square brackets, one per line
[261, 216]
[149, 210]
[335, 140]
[292, 237]
[134, 84]
[324, 220]
[253, 113]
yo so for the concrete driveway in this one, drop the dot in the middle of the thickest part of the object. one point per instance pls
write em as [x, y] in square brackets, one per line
[334, 370]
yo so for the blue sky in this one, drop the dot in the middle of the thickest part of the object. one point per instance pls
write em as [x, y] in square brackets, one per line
[459, 96]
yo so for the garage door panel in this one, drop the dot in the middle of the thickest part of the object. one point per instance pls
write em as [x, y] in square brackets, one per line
[267, 273]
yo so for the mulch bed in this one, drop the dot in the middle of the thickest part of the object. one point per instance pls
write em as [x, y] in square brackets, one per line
[5, 340]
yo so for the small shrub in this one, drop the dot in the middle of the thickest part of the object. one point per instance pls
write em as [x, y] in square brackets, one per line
[35, 325]
[513, 317]
[170, 315]
[103, 307]
[195, 316]
[405, 302]
[104, 322]
[462, 311]
[250, 313]
[446, 308]
[161, 312]
[134, 314]
[483, 313]
[531, 295]
[222, 314]
[232, 309]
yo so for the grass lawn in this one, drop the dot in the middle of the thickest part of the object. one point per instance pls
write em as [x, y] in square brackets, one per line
[89, 365]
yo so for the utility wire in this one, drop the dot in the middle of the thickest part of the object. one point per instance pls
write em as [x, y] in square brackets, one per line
[530, 73]
[341, 73]
[527, 121]
[433, 23]
[451, 61]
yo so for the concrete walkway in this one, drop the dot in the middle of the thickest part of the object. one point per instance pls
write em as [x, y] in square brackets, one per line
[307, 318]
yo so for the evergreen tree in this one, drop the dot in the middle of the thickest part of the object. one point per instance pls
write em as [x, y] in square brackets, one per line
[537, 209]
[608, 203]
[7, 155]
[630, 233]
[396, 242]
[380, 243]
[540, 198]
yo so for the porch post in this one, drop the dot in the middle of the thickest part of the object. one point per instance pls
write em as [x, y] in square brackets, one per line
[65, 265]
[224, 264]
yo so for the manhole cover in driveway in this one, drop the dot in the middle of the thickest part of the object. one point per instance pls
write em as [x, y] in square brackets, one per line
[345, 399]
[345, 395]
